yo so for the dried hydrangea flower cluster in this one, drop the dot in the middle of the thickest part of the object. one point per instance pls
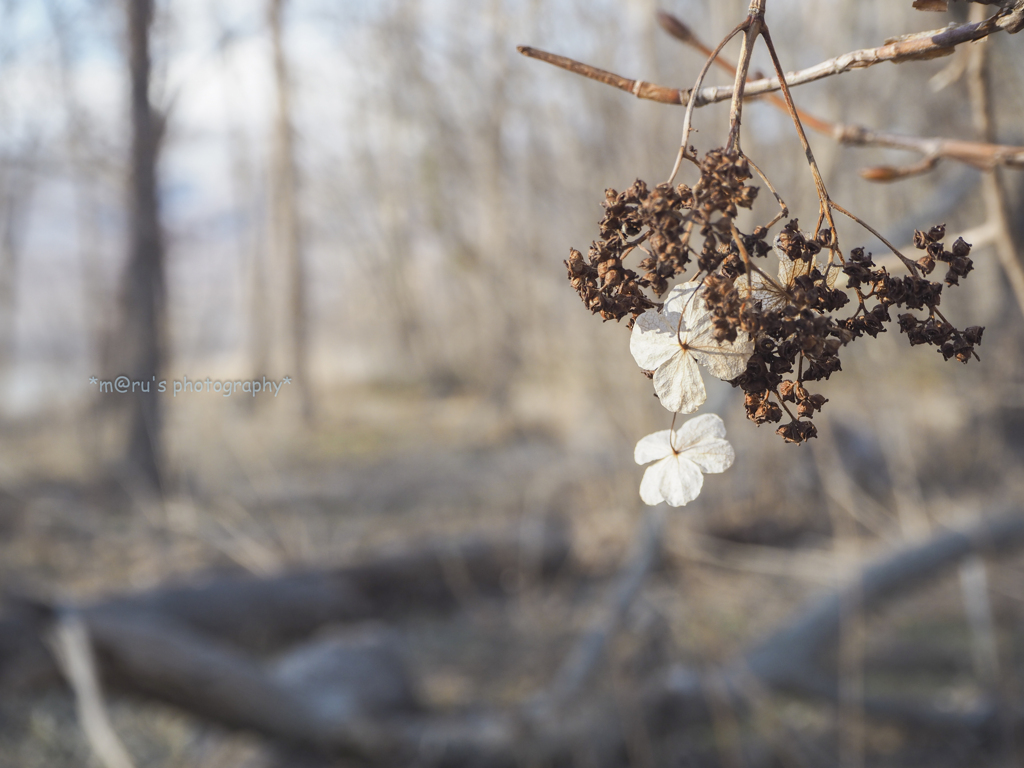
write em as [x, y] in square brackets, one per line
[660, 223]
[772, 336]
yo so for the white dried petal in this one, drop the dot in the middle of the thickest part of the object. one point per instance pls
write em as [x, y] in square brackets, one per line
[673, 480]
[672, 342]
[680, 459]
[654, 340]
[678, 384]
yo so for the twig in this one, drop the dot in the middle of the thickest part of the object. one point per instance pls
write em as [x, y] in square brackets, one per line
[639, 88]
[907, 262]
[978, 154]
[915, 47]
[783, 208]
[996, 205]
[73, 650]
[983, 155]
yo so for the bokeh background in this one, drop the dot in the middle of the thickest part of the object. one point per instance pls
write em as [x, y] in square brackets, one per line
[429, 181]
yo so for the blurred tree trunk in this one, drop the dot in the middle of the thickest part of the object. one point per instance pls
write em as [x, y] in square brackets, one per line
[140, 341]
[286, 228]
[15, 192]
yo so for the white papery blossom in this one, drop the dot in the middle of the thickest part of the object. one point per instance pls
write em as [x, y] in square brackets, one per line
[772, 295]
[671, 342]
[680, 458]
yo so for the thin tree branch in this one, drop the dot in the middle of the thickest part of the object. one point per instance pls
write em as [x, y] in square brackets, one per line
[996, 204]
[982, 155]
[73, 650]
[979, 154]
[639, 88]
[918, 46]
[915, 47]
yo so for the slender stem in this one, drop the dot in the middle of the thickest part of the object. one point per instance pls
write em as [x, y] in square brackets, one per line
[817, 224]
[784, 209]
[911, 265]
[693, 93]
[743, 253]
[783, 404]
[754, 24]
[819, 184]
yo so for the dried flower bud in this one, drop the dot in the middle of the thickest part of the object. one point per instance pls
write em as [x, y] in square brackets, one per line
[961, 248]
[797, 431]
[973, 334]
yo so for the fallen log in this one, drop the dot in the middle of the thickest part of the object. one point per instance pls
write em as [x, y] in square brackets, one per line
[294, 699]
[264, 615]
[790, 660]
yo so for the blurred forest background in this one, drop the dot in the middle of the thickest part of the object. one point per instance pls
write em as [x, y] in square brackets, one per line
[375, 199]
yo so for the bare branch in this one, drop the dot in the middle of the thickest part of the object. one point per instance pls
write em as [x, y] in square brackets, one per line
[996, 204]
[982, 155]
[73, 649]
[639, 88]
[915, 47]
